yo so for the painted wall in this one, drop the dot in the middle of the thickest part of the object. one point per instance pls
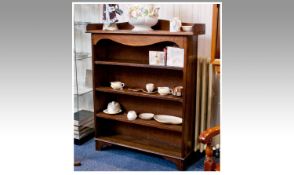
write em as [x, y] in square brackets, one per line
[195, 13]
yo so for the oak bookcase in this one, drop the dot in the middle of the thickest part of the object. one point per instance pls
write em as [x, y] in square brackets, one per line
[122, 55]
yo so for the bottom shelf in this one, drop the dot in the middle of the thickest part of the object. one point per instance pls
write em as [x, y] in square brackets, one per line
[142, 145]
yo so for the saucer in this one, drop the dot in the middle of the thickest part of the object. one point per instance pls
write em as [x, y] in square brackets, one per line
[106, 111]
[149, 92]
[163, 93]
[135, 90]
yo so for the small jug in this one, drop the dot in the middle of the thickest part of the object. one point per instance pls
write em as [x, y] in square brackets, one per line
[132, 115]
[177, 91]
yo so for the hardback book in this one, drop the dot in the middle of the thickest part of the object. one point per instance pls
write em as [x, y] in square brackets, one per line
[175, 57]
[78, 123]
[156, 58]
[90, 124]
[83, 117]
[80, 136]
[83, 131]
[83, 122]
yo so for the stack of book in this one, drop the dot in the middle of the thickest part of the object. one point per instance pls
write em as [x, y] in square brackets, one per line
[83, 126]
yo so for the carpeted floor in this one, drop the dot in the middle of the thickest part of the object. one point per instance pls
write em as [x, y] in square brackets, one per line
[123, 159]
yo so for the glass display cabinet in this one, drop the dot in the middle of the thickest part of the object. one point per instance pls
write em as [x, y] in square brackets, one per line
[82, 82]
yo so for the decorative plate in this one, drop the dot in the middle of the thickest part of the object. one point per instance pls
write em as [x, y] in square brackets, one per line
[106, 112]
[169, 119]
[146, 116]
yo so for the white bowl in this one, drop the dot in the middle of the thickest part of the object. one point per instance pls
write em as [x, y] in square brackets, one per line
[143, 16]
[187, 28]
[143, 23]
[146, 116]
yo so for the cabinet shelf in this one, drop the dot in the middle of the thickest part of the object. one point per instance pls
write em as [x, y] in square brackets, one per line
[82, 91]
[82, 55]
[138, 121]
[140, 94]
[142, 145]
[134, 64]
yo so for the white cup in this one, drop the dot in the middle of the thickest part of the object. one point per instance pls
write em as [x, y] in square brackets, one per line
[117, 85]
[163, 90]
[149, 87]
[132, 115]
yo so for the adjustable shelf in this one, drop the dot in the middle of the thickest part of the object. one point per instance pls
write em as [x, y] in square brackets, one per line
[138, 121]
[140, 94]
[134, 64]
[82, 55]
[82, 91]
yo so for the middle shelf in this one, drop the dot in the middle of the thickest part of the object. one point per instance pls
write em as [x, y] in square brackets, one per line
[151, 123]
[139, 94]
[129, 63]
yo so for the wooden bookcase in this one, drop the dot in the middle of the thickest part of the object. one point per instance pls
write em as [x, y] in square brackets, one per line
[123, 56]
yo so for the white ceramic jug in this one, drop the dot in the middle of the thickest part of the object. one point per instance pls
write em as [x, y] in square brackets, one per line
[175, 25]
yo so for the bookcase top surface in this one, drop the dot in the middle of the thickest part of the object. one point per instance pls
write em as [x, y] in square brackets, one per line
[130, 32]
[161, 28]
